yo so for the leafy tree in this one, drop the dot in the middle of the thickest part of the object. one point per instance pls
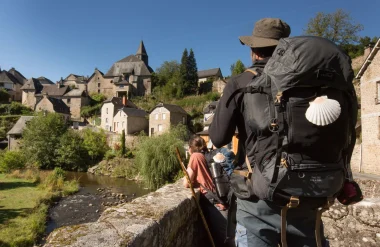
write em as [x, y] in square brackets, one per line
[90, 111]
[167, 71]
[98, 98]
[192, 83]
[12, 160]
[122, 140]
[237, 68]
[355, 50]
[41, 139]
[4, 96]
[95, 143]
[71, 155]
[156, 158]
[338, 27]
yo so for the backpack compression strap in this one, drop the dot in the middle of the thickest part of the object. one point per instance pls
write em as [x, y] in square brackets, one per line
[248, 89]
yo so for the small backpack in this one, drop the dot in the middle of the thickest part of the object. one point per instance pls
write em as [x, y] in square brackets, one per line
[302, 110]
[220, 170]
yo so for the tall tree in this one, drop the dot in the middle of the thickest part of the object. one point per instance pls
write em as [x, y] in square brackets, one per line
[122, 140]
[192, 74]
[184, 72]
[338, 26]
[237, 68]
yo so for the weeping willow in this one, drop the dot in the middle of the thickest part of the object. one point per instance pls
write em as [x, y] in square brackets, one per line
[156, 159]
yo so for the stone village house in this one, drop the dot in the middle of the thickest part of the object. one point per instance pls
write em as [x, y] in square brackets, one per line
[369, 75]
[12, 81]
[131, 120]
[163, 116]
[215, 75]
[34, 89]
[15, 134]
[130, 76]
[75, 82]
[53, 105]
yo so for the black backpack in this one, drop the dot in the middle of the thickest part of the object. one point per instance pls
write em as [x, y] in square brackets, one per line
[220, 171]
[302, 157]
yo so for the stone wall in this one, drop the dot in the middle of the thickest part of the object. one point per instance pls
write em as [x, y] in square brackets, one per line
[166, 217]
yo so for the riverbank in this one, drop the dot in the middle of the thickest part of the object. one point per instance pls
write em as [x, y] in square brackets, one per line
[25, 198]
[117, 168]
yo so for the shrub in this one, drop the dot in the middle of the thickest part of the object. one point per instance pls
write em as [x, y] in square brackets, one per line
[12, 160]
[109, 155]
[95, 143]
[156, 158]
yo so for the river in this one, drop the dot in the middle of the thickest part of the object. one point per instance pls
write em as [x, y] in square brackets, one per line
[95, 194]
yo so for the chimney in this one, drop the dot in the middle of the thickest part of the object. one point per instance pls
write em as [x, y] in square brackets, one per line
[124, 101]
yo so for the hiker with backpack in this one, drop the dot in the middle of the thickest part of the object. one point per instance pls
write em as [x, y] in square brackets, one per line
[295, 110]
[200, 176]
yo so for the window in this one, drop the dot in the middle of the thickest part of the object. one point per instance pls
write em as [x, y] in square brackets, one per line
[68, 101]
[98, 84]
[106, 120]
[106, 110]
[183, 120]
[159, 127]
[377, 99]
[98, 90]
[163, 115]
[156, 117]
[122, 124]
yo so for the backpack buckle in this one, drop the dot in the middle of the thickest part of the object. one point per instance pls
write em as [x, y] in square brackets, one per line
[273, 126]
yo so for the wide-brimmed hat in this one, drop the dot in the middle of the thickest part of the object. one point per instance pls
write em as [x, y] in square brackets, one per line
[266, 32]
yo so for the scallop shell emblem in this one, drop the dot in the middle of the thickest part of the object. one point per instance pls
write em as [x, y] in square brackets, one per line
[323, 111]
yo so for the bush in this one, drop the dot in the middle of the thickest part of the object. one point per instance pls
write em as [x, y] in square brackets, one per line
[12, 160]
[156, 158]
[109, 155]
[71, 155]
[95, 144]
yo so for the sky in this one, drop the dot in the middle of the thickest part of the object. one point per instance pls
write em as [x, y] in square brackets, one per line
[55, 38]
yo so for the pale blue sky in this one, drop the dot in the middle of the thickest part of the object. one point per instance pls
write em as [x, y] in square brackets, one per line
[55, 38]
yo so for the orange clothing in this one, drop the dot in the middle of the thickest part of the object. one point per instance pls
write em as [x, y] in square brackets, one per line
[198, 165]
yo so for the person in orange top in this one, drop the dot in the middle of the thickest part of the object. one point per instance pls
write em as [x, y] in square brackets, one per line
[199, 174]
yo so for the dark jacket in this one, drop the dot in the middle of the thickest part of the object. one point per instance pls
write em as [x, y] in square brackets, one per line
[226, 120]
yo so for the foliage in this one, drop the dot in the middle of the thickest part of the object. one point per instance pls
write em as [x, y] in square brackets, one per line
[41, 139]
[95, 143]
[12, 160]
[90, 111]
[98, 98]
[166, 71]
[355, 50]
[6, 124]
[71, 155]
[31, 202]
[123, 150]
[15, 108]
[4, 96]
[237, 68]
[109, 155]
[184, 73]
[338, 27]
[191, 84]
[156, 158]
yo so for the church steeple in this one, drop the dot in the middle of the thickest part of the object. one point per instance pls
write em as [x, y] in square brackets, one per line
[142, 54]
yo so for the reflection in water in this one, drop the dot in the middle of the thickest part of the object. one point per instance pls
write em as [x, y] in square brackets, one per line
[90, 182]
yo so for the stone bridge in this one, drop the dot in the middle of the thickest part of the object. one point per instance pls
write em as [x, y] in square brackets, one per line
[168, 218]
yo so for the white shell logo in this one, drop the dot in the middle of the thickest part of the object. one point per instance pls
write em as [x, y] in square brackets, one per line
[323, 111]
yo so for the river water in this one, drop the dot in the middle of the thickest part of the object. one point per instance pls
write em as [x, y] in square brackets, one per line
[95, 195]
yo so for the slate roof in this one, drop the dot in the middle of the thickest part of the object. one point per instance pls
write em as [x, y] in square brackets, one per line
[128, 65]
[19, 126]
[75, 93]
[53, 90]
[7, 77]
[134, 112]
[78, 78]
[141, 50]
[208, 73]
[44, 80]
[118, 102]
[58, 105]
[171, 108]
[33, 84]
[18, 75]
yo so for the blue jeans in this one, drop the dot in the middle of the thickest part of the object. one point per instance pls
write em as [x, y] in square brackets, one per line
[259, 225]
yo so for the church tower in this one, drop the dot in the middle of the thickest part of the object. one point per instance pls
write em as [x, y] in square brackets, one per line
[141, 53]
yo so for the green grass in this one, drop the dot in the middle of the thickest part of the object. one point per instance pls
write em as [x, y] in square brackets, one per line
[24, 206]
